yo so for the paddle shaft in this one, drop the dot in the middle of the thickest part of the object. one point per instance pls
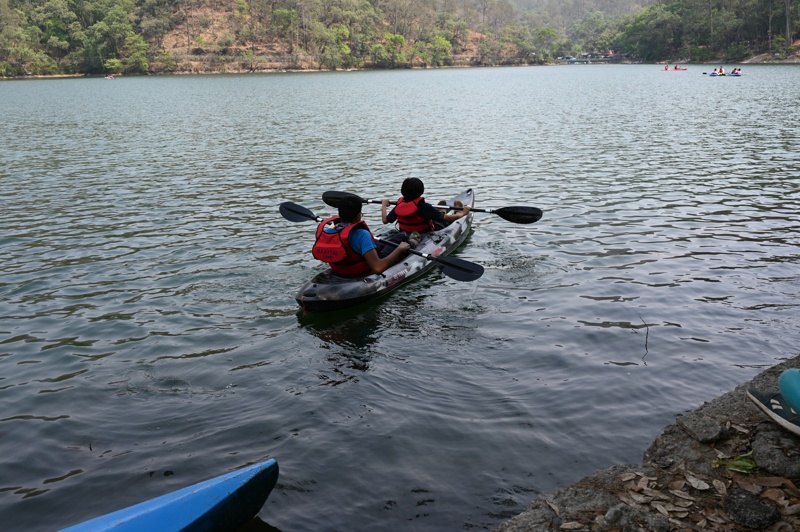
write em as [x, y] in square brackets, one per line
[473, 209]
[519, 215]
[458, 269]
[410, 250]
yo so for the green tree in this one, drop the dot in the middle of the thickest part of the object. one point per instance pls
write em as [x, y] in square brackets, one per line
[455, 30]
[136, 54]
[331, 44]
[591, 32]
[651, 34]
[521, 40]
[490, 52]
[440, 50]
[378, 55]
[155, 20]
[546, 41]
[395, 46]
[14, 41]
[113, 65]
[54, 19]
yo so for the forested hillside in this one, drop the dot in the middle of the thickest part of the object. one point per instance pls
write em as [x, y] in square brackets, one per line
[45, 37]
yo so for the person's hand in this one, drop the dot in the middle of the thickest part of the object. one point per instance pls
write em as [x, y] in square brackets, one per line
[404, 246]
[466, 210]
[385, 203]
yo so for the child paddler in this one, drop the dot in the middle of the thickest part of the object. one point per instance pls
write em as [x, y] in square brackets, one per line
[413, 214]
[347, 245]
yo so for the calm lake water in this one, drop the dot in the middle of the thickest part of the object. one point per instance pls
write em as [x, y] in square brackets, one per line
[149, 337]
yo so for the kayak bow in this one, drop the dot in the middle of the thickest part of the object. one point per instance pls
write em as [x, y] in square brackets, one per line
[222, 503]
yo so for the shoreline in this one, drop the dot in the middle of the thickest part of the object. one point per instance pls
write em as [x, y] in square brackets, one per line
[678, 487]
[761, 59]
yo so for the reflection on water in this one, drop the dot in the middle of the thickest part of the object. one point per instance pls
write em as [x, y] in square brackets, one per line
[346, 337]
[147, 313]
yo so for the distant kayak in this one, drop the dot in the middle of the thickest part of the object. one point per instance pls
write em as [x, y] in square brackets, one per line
[226, 502]
[674, 69]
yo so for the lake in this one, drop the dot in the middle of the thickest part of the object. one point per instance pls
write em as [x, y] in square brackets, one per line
[149, 336]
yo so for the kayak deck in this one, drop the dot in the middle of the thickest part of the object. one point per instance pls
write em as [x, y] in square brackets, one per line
[225, 502]
[327, 291]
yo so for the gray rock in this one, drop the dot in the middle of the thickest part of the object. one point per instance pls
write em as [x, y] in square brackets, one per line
[746, 509]
[776, 451]
[614, 514]
[628, 518]
[702, 428]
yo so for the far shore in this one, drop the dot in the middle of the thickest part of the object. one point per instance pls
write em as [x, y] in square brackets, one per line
[196, 68]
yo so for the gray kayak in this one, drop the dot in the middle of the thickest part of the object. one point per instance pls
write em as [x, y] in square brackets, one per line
[328, 291]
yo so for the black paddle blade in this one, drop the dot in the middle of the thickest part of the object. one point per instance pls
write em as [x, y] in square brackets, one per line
[520, 215]
[333, 197]
[296, 213]
[460, 270]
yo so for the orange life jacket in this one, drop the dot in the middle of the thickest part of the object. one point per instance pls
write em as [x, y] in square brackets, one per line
[408, 217]
[334, 248]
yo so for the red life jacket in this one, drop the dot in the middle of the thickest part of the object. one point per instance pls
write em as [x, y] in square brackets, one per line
[408, 217]
[334, 248]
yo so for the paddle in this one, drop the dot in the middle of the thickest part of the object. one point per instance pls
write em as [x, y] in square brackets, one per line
[517, 215]
[458, 269]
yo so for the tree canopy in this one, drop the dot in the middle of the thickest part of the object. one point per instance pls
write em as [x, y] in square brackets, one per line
[42, 37]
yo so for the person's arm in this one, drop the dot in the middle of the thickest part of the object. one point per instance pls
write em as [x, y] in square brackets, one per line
[363, 243]
[428, 211]
[380, 265]
[384, 216]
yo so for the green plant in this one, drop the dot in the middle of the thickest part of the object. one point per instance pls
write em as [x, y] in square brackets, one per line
[742, 463]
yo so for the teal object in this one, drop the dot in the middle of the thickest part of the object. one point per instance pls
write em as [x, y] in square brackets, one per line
[789, 385]
[225, 502]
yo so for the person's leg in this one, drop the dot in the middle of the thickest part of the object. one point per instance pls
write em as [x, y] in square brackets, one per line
[396, 238]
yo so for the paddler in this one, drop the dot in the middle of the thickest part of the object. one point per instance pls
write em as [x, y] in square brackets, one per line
[414, 215]
[348, 246]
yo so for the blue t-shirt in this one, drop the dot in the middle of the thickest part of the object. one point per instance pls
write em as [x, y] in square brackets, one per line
[360, 240]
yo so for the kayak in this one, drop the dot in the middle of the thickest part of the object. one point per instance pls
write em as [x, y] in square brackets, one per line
[226, 502]
[328, 291]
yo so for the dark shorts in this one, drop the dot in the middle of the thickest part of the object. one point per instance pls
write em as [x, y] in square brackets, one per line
[385, 249]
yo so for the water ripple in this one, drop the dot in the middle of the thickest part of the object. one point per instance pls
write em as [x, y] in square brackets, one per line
[147, 314]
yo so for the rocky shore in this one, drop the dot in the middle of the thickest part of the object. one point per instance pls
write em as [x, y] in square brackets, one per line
[726, 466]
